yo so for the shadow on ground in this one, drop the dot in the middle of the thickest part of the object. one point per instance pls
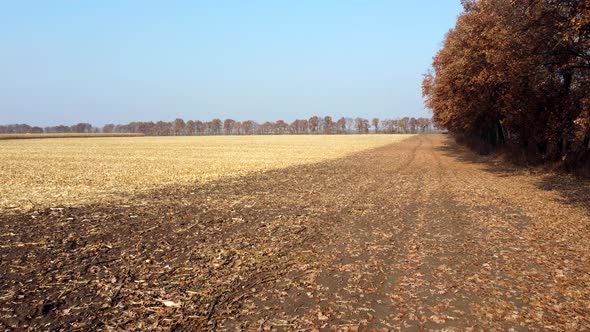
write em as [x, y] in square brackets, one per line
[573, 190]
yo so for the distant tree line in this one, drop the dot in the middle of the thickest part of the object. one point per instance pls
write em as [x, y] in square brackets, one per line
[517, 74]
[80, 128]
[180, 127]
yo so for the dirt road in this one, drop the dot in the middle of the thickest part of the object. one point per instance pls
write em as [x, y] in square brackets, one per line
[414, 236]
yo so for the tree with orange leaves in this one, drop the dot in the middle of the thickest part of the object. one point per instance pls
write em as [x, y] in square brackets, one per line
[518, 73]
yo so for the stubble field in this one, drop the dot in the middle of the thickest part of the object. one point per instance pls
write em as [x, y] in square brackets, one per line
[418, 235]
[73, 171]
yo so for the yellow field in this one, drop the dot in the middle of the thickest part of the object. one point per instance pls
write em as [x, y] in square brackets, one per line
[59, 172]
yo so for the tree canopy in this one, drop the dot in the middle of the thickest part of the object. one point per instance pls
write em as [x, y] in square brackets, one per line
[517, 73]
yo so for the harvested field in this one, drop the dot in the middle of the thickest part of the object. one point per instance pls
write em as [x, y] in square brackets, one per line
[66, 135]
[419, 235]
[58, 172]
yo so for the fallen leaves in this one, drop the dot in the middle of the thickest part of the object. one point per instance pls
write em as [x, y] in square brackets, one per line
[172, 304]
[417, 240]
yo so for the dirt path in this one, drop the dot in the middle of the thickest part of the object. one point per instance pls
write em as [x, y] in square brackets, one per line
[415, 236]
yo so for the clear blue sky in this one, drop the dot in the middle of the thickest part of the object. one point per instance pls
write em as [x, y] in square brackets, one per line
[119, 61]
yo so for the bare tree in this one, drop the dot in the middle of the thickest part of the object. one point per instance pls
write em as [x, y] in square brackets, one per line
[179, 126]
[375, 123]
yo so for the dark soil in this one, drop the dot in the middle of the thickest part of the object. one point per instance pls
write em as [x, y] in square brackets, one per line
[418, 235]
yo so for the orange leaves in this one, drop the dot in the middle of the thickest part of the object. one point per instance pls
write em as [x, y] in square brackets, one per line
[517, 72]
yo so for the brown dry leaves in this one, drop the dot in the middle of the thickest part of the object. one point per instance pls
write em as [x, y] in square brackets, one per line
[419, 235]
[441, 244]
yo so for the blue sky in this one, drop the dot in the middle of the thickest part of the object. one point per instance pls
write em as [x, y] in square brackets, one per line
[119, 61]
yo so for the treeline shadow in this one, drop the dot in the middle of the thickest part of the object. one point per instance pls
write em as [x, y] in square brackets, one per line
[574, 190]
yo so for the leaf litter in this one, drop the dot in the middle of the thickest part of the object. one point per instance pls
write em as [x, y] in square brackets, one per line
[403, 236]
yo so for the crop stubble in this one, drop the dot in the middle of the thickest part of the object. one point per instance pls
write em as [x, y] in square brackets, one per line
[420, 235]
[73, 171]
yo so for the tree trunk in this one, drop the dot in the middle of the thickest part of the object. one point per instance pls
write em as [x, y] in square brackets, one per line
[568, 121]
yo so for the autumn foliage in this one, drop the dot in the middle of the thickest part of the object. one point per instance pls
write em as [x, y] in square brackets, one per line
[517, 74]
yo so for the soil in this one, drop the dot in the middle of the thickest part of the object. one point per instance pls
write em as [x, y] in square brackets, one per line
[418, 235]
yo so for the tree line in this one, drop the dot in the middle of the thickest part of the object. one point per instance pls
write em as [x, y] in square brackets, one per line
[517, 74]
[180, 127]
